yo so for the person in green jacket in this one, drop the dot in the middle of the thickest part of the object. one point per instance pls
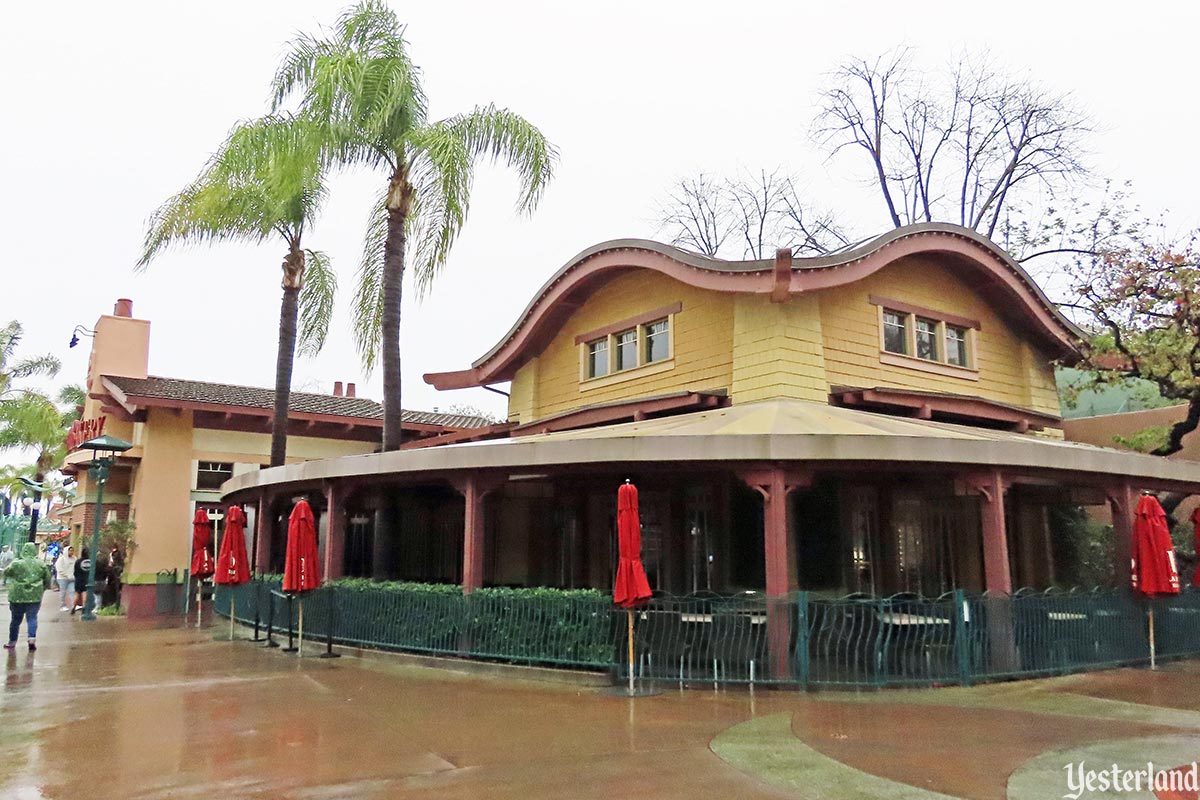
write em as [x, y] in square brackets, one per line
[28, 579]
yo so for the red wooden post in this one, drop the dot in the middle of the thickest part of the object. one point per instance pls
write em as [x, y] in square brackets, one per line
[779, 554]
[996, 569]
[474, 488]
[335, 531]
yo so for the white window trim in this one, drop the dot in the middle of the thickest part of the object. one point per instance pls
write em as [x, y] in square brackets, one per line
[643, 367]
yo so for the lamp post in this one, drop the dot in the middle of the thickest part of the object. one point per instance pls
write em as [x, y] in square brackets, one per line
[104, 450]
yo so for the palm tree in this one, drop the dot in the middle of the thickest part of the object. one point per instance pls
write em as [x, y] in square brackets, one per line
[11, 369]
[30, 421]
[361, 87]
[266, 182]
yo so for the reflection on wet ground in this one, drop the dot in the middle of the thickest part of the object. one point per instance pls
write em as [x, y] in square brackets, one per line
[118, 709]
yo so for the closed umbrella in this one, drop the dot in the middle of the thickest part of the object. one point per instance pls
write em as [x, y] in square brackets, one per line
[232, 566]
[1196, 539]
[1153, 565]
[631, 586]
[202, 562]
[300, 570]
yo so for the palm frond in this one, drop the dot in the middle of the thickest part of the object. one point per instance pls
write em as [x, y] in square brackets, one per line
[368, 293]
[316, 302]
[30, 420]
[47, 366]
[506, 136]
[266, 179]
[358, 84]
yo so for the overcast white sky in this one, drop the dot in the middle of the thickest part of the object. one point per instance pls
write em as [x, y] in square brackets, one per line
[111, 107]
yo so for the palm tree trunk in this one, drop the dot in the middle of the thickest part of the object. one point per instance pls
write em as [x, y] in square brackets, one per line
[288, 312]
[33, 510]
[393, 282]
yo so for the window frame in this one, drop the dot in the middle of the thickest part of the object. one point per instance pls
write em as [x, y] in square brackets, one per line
[904, 332]
[591, 351]
[611, 336]
[200, 469]
[943, 322]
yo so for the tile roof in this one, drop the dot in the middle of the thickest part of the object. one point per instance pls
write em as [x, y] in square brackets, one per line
[300, 402]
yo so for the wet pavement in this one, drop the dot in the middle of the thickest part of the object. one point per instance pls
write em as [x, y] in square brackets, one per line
[113, 709]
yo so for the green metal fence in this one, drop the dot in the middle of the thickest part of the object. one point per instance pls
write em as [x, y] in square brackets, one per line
[801, 640]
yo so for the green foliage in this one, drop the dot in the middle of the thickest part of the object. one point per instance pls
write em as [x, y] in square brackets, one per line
[113, 610]
[1146, 440]
[1082, 549]
[539, 624]
[13, 369]
[121, 534]
[358, 85]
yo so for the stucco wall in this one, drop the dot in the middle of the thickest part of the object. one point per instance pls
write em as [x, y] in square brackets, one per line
[161, 486]
[255, 448]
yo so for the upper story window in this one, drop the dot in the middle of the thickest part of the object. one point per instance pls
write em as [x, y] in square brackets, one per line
[658, 340]
[627, 349]
[211, 474]
[956, 345]
[895, 332]
[943, 340]
[597, 358]
[927, 339]
[629, 345]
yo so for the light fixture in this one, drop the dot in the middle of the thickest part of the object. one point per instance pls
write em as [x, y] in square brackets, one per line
[80, 331]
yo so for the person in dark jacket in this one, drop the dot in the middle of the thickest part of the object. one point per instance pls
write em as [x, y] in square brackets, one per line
[28, 579]
[81, 578]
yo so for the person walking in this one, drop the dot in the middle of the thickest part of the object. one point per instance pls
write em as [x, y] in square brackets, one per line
[30, 579]
[64, 570]
[82, 565]
[6, 558]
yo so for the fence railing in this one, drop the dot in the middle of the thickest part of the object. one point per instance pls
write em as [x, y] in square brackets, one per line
[801, 640]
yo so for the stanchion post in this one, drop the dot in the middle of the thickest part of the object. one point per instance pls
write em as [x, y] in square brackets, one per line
[291, 648]
[257, 610]
[330, 618]
[270, 619]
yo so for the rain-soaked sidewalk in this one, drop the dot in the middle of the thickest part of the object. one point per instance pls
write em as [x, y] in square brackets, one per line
[112, 709]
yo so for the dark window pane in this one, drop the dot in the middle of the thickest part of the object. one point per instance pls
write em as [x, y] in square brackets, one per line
[895, 338]
[626, 350]
[658, 341]
[927, 339]
[956, 346]
[210, 475]
[597, 358]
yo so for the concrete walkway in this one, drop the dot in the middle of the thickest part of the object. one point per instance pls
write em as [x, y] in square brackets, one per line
[112, 709]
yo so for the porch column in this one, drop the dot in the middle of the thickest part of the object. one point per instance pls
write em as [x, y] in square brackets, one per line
[779, 554]
[335, 531]
[996, 569]
[1122, 502]
[474, 488]
[1001, 634]
[262, 535]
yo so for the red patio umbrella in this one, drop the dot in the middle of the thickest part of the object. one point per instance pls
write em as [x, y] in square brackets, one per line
[1196, 539]
[202, 563]
[631, 586]
[232, 566]
[300, 570]
[1153, 564]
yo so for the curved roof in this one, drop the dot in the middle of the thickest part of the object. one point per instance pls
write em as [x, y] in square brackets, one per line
[768, 431]
[987, 266]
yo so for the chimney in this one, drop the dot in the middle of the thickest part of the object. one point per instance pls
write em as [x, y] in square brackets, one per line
[337, 388]
[123, 308]
[350, 390]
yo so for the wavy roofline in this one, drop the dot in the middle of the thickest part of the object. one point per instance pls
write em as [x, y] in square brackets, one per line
[758, 276]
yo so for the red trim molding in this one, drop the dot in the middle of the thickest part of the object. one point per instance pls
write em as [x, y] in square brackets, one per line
[930, 405]
[631, 322]
[921, 311]
[625, 411]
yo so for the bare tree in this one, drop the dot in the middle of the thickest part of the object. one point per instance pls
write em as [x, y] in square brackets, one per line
[697, 214]
[761, 211]
[962, 151]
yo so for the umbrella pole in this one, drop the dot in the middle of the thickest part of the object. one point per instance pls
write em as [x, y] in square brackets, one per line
[232, 611]
[300, 646]
[629, 614]
[1152, 664]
